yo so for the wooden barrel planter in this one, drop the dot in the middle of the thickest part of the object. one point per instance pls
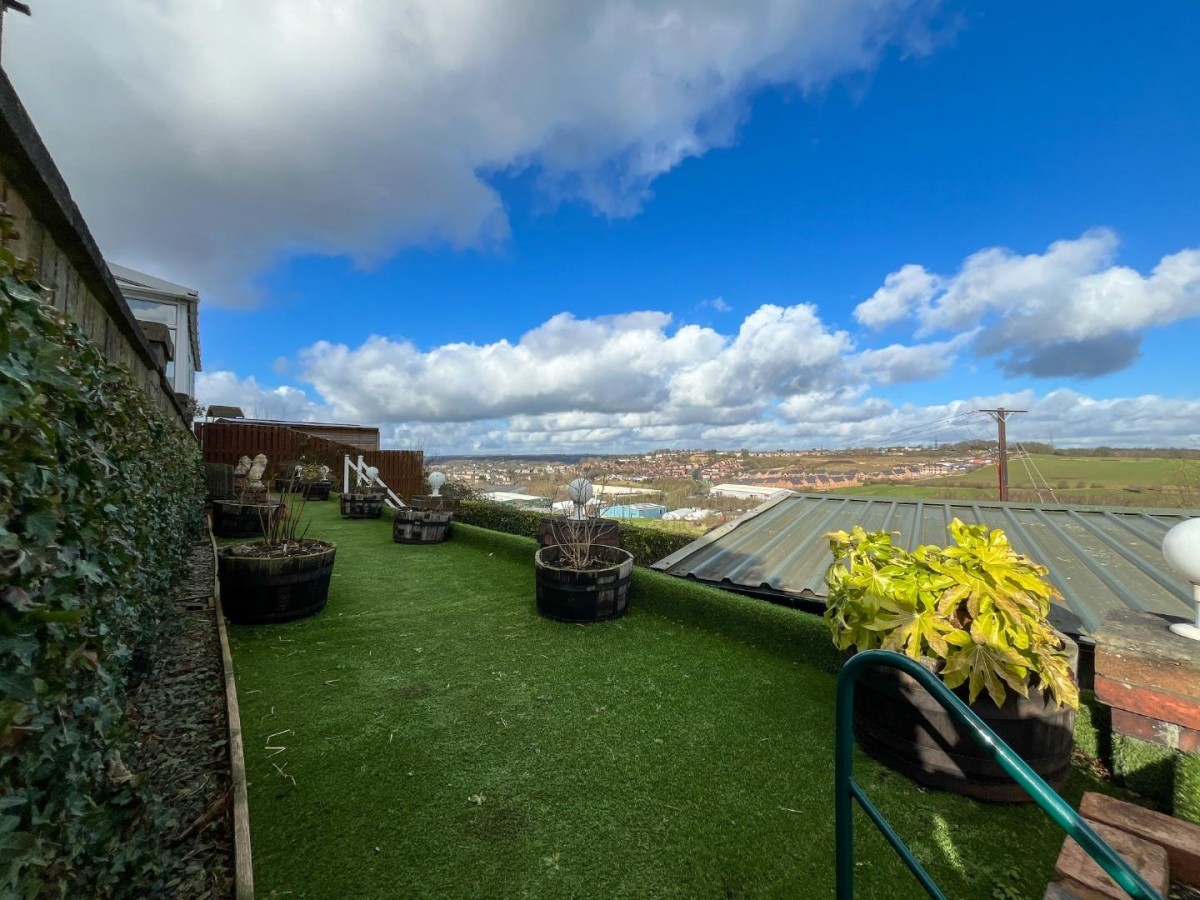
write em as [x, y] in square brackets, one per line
[583, 595]
[231, 518]
[558, 530]
[362, 506]
[420, 526]
[315, 490]
[898, 723]
[258, 590]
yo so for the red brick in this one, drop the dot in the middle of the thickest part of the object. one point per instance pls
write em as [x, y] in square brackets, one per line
[1137, 648]
[1149, 729]
[1081, 873]
[1149, 702]
[1180, 839]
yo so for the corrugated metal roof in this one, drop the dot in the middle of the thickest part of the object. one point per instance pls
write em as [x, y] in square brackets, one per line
[1100, 558]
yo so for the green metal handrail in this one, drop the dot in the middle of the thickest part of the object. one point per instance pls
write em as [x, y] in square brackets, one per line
[847, 790]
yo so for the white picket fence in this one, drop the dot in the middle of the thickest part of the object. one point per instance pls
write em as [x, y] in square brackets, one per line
[365, 475]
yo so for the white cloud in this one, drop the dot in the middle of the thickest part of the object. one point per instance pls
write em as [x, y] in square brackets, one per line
[907, 289]
[720, 304]
[637, 381]
[1067, 312]
[204, 139]
[630, 369]
[900, 363]
[256, 401]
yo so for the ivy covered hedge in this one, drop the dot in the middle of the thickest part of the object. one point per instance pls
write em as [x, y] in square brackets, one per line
[100, 494]
[647, 543]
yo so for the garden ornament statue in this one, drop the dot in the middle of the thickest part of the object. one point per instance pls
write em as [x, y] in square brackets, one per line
[1181, 549]
[257, 469]
[242, 467]
[324, 473]
[436, 480]
[579, 492]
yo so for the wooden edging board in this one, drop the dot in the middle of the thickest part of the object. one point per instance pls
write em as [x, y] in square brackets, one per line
[243, 863]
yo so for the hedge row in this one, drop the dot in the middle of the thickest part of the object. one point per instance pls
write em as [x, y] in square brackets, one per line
[100, 493]
[647, 543]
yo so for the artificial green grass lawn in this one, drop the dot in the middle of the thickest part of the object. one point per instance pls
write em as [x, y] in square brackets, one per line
[443, 740]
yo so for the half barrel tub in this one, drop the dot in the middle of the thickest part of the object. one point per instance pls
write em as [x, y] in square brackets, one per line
[583, 595]
[420, 526]
[898, 723]
[259, 590]
[233, 519]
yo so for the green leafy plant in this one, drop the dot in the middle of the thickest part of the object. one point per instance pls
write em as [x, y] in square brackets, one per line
[100, 494]
[310, 472]
[977, 608]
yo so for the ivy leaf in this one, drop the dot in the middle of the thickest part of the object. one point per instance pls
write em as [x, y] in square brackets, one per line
[41, 525]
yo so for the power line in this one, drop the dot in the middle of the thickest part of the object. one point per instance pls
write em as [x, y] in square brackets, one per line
[908, 432]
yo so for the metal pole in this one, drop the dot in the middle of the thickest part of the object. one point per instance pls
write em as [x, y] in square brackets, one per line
[1058, 809]
[843, 799]
[1003, 461]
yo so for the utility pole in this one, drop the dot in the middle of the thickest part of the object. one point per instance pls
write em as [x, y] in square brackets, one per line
[1000, 415]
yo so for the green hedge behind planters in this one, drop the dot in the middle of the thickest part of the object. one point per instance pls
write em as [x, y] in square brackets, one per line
[100, 494]
[647, 543]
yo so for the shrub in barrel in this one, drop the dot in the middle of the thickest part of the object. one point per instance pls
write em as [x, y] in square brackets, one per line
[975, 614]
[581, 577]
[282, 576]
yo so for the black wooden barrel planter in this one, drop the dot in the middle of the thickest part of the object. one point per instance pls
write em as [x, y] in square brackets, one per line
[420, 526]
[898, 723]
[232, 518]
[583, 595]
[362, 506]
[315, 490]
[258, 590]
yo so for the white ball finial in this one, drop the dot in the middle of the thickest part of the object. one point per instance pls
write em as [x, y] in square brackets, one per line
[1181, 549]
[372, 474]
[436, 480]
[580, 491]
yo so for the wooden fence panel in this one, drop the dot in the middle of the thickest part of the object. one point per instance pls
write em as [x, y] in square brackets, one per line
[227, 442]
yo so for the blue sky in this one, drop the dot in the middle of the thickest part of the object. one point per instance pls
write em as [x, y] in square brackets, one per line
[769, 228]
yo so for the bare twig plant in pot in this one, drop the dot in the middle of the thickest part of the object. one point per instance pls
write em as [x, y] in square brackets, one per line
[366, 500]
[284, 575]
[578, 577]
[974, 613]
[428, 523]
[244, 514]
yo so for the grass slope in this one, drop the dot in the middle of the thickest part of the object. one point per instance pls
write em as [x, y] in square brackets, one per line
[444, 740]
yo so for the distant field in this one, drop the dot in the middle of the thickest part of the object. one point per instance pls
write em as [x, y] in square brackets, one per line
[1165, 483]
[1109, 473]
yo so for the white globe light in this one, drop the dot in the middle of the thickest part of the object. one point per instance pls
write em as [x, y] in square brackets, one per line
[436, 480]
[580, 491]
[372, 473]
[1181, 549]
